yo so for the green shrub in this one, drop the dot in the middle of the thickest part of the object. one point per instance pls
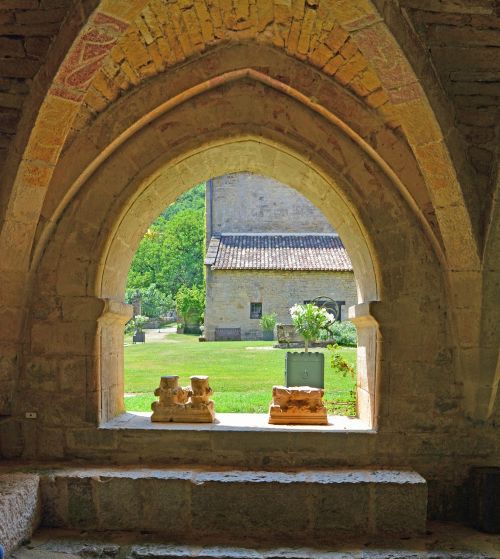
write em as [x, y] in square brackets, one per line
[268, 321]
[345, 333]
[154, 303]
[136, 324]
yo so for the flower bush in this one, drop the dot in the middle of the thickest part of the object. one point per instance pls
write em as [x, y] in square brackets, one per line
[136, 324]
[309, 320]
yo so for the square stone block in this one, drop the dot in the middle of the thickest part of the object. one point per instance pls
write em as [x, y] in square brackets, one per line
[54, 496]
[400, 508]
[341, 508]
[166, 505]
[259, 509]
[19, 508]
[119, 502]
[82, 510]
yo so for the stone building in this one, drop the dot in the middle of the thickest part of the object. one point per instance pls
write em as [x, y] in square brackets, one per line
[268, 249]
[385, 115]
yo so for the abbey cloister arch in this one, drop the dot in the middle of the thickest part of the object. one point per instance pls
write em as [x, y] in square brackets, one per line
[115, 141]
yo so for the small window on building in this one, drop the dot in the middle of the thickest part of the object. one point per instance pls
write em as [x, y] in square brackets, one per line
[255, 310]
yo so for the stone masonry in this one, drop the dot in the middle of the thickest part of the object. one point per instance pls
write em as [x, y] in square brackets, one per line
[19, 508]
[197, 503]
[248, 203]
[278, 291]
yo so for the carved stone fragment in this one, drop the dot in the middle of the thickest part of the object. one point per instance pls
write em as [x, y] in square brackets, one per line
[300, 405]
[183, 405]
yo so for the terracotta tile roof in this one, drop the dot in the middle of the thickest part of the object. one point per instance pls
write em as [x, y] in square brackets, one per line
[278, 252]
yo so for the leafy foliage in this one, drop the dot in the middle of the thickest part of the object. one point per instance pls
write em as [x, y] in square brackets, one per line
[309, 320]
[193, 199]
[268, 321]
[344, 333]
[190, 302]
[137, 323]
[339, 363]
[171, 253]
[154, 303]
[183, 251]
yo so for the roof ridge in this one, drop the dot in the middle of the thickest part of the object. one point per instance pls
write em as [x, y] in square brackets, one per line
[334, 235]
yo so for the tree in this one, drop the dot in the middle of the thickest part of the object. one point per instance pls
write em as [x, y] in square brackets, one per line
[171, 253]
[154, 303]
[182, 251]
[193, 199]
[190, 302]
[145, 265]
[170, 257]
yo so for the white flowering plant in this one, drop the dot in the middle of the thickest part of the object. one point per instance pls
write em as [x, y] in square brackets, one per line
[139, 321]
[309, 320]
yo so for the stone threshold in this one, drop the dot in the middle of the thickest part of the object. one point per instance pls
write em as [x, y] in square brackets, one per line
[231, 505]
[442, 541]
[141, 421]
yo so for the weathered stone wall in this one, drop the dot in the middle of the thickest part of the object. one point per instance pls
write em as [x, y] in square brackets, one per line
[462, 38]
[249, 203]
[229, 293]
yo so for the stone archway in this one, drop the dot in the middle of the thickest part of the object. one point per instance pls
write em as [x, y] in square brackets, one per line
[260, 157]
[380, 134]
[84, 261]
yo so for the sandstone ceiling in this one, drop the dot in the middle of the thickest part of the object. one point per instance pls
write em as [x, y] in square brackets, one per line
[463, 41]
[27, 29]
[460, 37]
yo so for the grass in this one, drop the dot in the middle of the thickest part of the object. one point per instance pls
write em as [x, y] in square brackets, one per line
[241, 373]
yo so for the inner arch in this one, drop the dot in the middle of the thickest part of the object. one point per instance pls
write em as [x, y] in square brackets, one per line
[245, 154]
[258, 156]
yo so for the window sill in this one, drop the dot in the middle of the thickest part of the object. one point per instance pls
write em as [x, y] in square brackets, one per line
[236, 422]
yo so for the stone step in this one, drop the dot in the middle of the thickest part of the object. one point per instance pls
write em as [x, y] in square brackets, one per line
[234, 506]
[19, 508]
[441, 541]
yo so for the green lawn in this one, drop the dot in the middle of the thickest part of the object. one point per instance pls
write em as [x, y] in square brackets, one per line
[241, 373]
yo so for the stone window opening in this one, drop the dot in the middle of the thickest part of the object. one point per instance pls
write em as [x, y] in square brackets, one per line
[256, 310]
[112, 280]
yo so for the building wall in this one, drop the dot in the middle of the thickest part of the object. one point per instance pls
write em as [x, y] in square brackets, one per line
[249, 203]
[230, 292]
